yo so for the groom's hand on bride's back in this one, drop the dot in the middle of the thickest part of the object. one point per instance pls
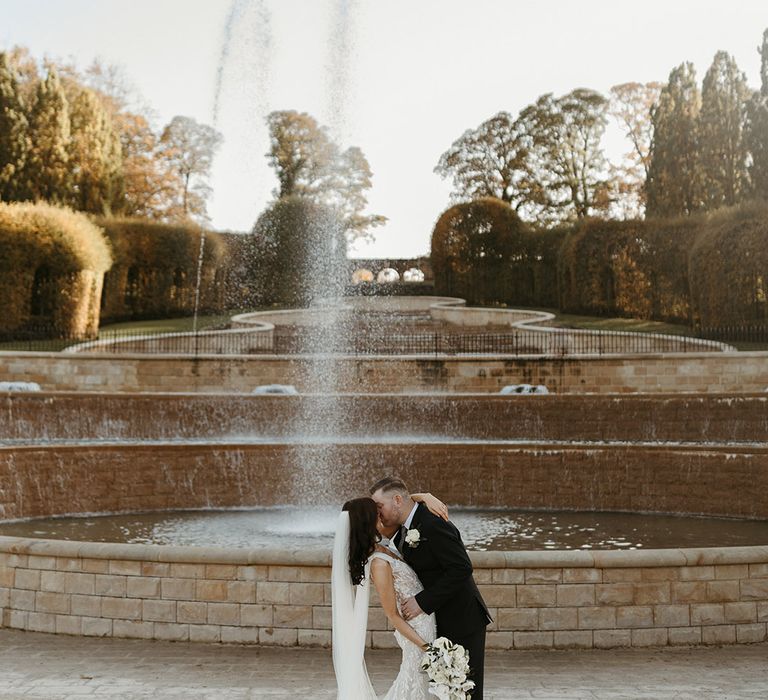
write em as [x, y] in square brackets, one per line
[411, 609]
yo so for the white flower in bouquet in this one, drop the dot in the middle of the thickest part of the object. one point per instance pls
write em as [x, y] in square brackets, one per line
[447, 666]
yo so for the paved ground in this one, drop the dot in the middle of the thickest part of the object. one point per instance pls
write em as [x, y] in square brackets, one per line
[50, 666]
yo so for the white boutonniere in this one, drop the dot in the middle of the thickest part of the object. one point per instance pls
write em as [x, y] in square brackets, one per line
[413, 538]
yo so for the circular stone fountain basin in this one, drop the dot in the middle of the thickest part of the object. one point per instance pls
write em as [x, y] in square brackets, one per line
[311, 528]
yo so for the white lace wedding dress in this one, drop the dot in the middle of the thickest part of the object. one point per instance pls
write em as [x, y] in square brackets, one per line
[411, 682]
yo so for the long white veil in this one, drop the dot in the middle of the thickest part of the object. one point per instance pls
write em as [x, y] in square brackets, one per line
[350, 620]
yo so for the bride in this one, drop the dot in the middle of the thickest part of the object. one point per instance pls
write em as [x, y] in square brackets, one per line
[358, 557]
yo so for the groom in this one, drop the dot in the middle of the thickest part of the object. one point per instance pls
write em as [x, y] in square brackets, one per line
[433, 548]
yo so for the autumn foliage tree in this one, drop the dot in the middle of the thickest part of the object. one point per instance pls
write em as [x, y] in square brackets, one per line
[80, 140]
[489, 161]
[630, 104]
[309, 164]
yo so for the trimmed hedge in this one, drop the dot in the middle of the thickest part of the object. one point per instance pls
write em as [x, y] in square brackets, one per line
[637, 269]
[155, 270]
[483, 252]
[729, 267]
[52, 265]
[298, 252]
[708, 270]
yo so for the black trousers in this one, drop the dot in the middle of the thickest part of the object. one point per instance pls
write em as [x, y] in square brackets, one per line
[475, 644]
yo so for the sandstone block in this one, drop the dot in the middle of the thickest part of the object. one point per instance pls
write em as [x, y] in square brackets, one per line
[518, 619]
[671, 616]
[649, 637]
[652, 593]
[684, 636]
[721, 591]
[223, 614]
[533, 596]
[543, 575]
[96, 627]
[131, 629]
[558, 619]
[707, 614]
[740, 612]
[205, 633]
[272, 636]
[171, 632]
[576, 594]
[751, 634]
[534, 640]
[177, 588]
[159, 611]
[718, 634]
[597, 618]
[142, 587]
[610, 639]
[689, 592]
[292, 616]
[584, 575]
[573, 640]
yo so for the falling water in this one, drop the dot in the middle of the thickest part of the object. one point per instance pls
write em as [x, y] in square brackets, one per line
[241, 103]
[199, 279]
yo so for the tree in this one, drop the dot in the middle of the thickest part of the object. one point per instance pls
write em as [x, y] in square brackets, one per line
[95, 156]
[189, 147]
[309, 164]
[48, 168]
[562, 137]
[674, 182]
[489, 161]
[723, 151]
[756, 129]
[630, 104]
[150, 187]
[14, 143]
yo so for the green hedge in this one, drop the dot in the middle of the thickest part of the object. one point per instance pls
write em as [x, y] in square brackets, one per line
[637, 269]
[155, 270]
[298, 252]
[52, 264]
[706, 270]
[729, 267]
[482, 251]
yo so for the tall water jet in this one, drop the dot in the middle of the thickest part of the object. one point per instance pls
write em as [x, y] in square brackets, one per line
[241, 103]
[328, 271]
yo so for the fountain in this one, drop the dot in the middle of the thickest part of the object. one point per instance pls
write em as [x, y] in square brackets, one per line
[168, 445]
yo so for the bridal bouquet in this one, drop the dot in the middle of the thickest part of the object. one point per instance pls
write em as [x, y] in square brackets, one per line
[447, 665]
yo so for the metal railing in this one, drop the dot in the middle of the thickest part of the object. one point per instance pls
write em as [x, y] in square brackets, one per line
[737, 333]
[350, 341]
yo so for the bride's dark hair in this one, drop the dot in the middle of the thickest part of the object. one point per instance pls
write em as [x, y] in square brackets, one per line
[363, 535]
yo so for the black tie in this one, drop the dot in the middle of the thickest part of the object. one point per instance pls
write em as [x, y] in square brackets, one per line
[401, 540]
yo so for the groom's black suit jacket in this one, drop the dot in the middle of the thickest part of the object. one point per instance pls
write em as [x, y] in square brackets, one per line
[442, 564]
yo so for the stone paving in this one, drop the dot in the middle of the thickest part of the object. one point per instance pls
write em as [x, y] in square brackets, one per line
[34, 665]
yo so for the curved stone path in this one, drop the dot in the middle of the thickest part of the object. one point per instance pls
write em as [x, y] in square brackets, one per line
[34, 665]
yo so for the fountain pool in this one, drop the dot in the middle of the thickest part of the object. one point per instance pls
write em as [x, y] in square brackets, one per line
[483, 529]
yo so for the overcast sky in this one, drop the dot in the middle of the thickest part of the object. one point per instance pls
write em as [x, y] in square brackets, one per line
[401, 79]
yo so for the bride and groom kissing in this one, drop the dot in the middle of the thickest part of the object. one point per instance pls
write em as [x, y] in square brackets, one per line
[415, 558]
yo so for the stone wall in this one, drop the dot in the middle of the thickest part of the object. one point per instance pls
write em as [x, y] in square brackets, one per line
[538, 600]
[694, 372]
